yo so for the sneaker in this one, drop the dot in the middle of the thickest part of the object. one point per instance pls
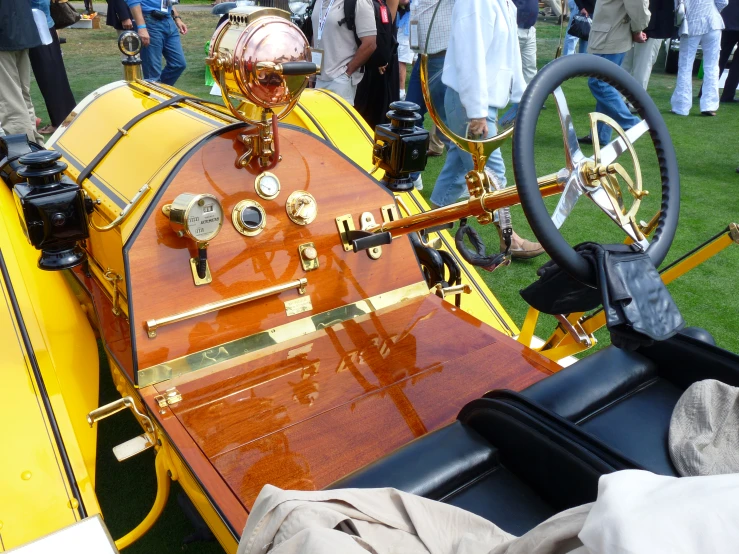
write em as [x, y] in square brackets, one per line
[418, 183]
[587, 139]
[522, 249]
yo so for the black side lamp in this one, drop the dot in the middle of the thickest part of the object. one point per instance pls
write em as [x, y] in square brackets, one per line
[53, 210]
[400, 146]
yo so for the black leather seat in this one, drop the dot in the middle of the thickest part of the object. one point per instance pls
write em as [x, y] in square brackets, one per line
[499, 461]
[626, 399]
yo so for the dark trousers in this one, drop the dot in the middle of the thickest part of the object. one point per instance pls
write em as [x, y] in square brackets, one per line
[728, 40]
[51, 76]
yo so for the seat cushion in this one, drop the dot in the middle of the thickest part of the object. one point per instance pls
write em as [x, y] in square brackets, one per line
[591, 383]
[456, 465]
[435, 465]
[637, 425]
[505, 500]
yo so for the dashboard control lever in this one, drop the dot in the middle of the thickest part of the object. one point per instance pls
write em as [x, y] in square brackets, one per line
[364, 240]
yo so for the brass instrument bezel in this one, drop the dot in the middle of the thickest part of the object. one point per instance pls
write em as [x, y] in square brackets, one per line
[260, 192]
[178, 213]
[292, 210]
[236, 218]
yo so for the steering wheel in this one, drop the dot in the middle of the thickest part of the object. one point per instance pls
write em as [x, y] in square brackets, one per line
[597, 176]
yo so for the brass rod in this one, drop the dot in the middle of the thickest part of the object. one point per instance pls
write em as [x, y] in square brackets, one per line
[549, 185]
[152, 325]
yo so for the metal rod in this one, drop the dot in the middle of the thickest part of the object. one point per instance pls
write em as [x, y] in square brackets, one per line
[153, 324]
[549, 185]
[43, 393]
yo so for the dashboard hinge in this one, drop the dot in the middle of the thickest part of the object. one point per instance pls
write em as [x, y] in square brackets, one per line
[169, 398]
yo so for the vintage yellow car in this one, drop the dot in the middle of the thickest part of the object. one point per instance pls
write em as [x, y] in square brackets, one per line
[271, 313]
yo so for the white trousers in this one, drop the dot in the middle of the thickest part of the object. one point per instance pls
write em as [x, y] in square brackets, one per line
[527, 44]
[682, 98]
[556, 6]
[640, 59]
[342, 86]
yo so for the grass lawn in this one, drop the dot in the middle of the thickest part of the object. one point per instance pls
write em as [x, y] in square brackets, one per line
[707, 150]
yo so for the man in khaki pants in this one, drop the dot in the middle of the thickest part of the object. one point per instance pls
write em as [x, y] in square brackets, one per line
[18, 33]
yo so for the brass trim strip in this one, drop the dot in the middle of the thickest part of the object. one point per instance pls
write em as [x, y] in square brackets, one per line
[152, 325]
[294, 329]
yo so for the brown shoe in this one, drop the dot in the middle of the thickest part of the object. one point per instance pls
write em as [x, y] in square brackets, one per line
[522, 249]
[48, 130]
[432, 154]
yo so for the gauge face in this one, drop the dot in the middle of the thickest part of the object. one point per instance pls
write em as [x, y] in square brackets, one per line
[129, 43]
[249, 218]
[196, 216]
[204, 218]
[267, 185]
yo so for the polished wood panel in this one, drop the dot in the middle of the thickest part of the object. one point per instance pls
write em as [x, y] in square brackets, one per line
[161, 282]
[311, 412]
[227, 502]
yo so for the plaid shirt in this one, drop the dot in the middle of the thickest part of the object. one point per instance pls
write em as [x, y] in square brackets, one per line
[423, 12]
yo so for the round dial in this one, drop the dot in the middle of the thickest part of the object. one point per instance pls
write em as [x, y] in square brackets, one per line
[249, 218]
[267, 185]
[129, 43]
[197, 216]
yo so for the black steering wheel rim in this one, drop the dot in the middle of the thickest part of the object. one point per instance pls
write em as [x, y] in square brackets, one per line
[538, 90]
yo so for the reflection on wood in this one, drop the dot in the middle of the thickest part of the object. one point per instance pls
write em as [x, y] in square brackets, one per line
[161, 279]
[308, 413]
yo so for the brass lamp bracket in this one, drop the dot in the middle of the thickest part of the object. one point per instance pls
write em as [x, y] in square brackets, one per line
[260, 145]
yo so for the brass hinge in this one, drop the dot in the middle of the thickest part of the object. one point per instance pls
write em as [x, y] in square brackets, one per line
[170, 397]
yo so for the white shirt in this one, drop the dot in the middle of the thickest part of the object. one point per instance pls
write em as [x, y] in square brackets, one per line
[703, 16]
[483, 61]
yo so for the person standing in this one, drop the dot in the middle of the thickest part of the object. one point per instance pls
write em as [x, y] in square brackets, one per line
[51, 75]
[526, 13]
[729, 39]
[434, 46]
[159, 26]
[343, 59]
[119, 16]
[704, 28]
[642, 56]
[617, 25]
[484, 43]
[18, 33]
[405, 54]
[380, 85]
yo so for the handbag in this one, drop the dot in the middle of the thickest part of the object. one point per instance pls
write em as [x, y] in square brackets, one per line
[580, 26]
[681, 21]
[63, 14]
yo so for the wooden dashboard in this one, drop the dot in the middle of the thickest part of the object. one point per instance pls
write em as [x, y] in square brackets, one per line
[160, 279]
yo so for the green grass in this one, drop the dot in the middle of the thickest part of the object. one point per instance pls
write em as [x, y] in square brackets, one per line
[707, 150]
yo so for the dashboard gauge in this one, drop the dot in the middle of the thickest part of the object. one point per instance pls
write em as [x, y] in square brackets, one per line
[267, 185]
[129, 43]
[196, 216]
[249, 218]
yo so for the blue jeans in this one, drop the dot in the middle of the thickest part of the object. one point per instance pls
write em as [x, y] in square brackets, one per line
[164, 41]
[570, 41]
[450, 185]
[436, 87]
[609, 102]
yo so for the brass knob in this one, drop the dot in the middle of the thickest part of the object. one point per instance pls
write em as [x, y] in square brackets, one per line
[301, 207]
